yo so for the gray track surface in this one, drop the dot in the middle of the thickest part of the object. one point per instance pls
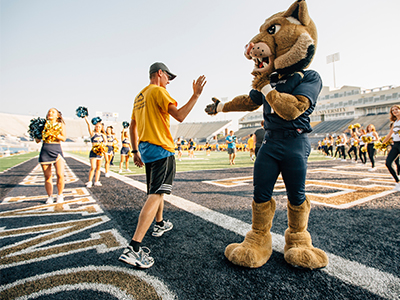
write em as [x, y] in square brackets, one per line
[189, 260]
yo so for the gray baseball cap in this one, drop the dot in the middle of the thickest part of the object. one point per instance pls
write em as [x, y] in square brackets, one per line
[160, 66]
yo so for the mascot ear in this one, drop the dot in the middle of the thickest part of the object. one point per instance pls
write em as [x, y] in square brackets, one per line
[299, 11]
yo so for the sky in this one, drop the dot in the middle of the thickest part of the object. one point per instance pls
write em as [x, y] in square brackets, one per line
[97, 53]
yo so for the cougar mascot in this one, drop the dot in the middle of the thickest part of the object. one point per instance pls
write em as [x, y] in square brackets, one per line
[281, 51]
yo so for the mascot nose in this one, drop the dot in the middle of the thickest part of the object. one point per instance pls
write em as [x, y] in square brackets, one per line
[247, 49]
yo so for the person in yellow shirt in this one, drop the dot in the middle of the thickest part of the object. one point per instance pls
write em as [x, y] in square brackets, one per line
[251, 145]
[153, 147]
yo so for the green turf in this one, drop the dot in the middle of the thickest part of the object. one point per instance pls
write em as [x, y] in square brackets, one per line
[7, 162]
[216, 160]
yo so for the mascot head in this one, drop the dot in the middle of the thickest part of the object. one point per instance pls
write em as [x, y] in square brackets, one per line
[286, 43]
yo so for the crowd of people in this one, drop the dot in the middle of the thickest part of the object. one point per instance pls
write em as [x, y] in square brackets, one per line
[356, 143]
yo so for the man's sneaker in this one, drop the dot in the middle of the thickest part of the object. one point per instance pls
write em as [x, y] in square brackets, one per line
[140, 259]
[159, 231]
[60, 198]
[89, 184]
[98, 183]
[50, 200]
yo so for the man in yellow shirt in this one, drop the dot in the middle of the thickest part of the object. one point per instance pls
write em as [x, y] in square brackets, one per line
[153, 147]
[250, 143]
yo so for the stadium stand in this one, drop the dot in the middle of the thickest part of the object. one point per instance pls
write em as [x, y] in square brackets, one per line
[332, 126]
[202, 131]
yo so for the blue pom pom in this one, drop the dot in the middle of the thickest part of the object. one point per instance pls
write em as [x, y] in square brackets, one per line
[96, 120]
[125, 124]
[36, 127]
[82, 112]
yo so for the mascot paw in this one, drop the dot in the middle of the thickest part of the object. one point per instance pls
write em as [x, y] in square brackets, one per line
[216, 107]
[252, 253]
[309, 258]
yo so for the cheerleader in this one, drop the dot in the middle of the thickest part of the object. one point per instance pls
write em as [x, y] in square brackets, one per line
[395, 151]
[208, 148]
[353, 146]
[337, 147]
[51, 153]
[342, 146]
[125, 151]
[362, 150]
[179, 146]
[372, 137]
[329, 145]
[110, 149]
[191, 148]
[98, 138]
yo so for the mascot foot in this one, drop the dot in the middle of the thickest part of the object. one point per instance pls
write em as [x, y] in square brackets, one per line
[256, 248]
[299, 251]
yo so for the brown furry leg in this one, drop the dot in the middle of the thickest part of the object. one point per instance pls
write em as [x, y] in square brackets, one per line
[299, 251]
[256, 248]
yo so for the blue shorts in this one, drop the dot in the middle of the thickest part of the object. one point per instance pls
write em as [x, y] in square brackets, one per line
[110, 149]
[50, 153]
[125, 151]
[287, 156]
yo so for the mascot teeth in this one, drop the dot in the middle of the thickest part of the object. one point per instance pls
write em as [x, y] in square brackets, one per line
[261, 62]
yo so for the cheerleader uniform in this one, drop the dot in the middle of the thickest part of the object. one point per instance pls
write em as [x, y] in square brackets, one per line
[353, 148]
[110, 144]
[395, 151]
[371, 149]
[96, 139]
[50, 152]
[363, 155]
[125, 147]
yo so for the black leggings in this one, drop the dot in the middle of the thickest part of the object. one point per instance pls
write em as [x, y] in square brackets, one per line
[362, 155]
[392, 156]
[371, 153]
[352, 149]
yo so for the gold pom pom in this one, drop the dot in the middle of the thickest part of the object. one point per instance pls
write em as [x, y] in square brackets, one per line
[50, 132]
[351, 127]
[99, 149]
[363, 149]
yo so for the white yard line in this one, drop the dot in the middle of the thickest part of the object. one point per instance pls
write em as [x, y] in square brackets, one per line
[375, 281]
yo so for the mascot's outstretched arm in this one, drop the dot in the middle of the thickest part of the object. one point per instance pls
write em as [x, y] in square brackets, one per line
[239, 103]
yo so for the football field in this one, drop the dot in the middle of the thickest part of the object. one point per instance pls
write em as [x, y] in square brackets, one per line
[71, 250]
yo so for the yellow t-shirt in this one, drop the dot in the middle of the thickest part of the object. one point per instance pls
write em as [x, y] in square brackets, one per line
[250, 143]
[150, 111]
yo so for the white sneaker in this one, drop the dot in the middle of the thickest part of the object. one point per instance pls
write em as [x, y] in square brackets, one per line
[98, 183]
[60, 198]
[127, 170]
[397, 187]
[107, 175]
[89, 184]
[372, 169]
[50, 200]
[120, 171]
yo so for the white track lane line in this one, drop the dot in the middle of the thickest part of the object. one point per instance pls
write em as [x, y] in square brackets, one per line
[375, 281]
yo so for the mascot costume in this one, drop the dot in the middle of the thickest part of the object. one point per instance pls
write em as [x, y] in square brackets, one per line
[281, 51]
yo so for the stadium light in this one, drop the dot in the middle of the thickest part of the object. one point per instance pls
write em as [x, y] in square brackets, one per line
[331, 59]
